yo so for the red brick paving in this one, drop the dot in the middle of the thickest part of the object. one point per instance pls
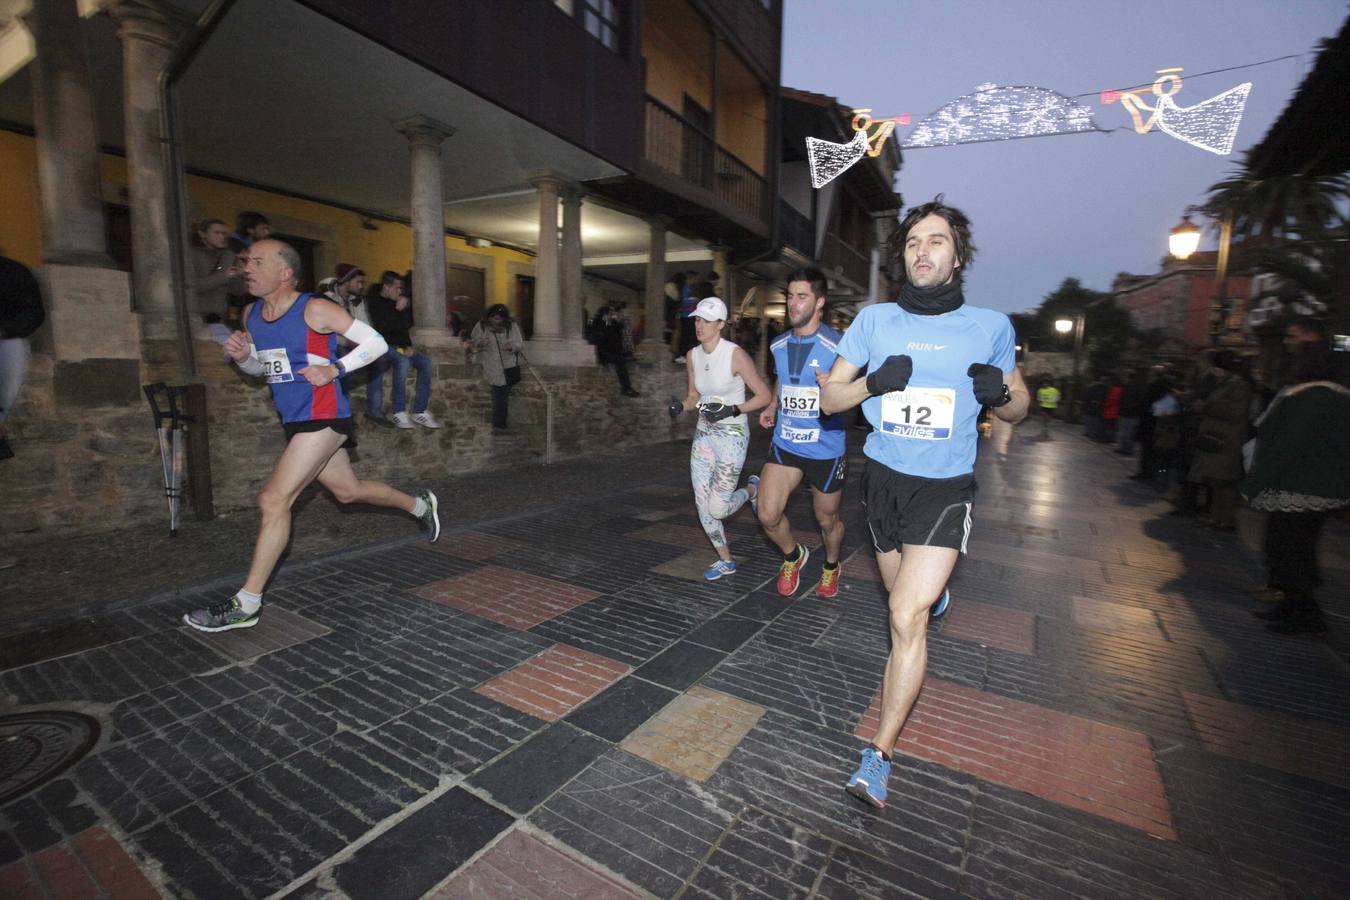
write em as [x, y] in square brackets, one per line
[16, 882]
[674, 535]
[92, 865]
[522, 867]
[1270, 738]
[991, 625]
[115, 871]
[1101, 769]
[473, 545]
[555, 682]
[504, 595]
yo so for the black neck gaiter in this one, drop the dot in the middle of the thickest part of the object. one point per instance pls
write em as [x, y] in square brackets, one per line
[931, 301]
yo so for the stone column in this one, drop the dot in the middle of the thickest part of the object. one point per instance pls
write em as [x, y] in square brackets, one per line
[572, 305]
[654, 297]
[719, 255]
[70, 191]
[147, 43]
[425, 136]
[94, 343]
[547, 289]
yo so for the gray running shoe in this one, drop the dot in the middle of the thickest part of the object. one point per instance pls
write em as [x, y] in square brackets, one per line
[430, 521]
[222, 616]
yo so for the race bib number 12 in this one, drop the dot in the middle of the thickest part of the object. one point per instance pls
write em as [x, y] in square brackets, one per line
[924, 414]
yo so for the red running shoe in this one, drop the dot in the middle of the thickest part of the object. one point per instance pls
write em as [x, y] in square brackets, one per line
[790, 573]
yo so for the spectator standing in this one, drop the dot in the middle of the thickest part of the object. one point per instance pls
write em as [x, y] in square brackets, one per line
[1094, 396]
[215, 274]
[1111, 410]
[1132, 406]
[498, 342]
[1298, 476]
[391, 315]
[1220, 434]
[21, 314]
[1159, 386]
[249, 227]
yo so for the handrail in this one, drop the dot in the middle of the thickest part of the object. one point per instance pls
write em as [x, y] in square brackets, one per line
[548, 408]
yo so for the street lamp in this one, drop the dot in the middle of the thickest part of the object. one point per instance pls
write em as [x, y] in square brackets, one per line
[1064, 326]
[1184, 239]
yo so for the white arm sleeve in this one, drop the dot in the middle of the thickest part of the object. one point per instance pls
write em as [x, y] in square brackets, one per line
[370, 346]
[251, 364]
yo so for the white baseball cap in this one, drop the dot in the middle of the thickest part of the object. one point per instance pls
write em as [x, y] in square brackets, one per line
[711, 309]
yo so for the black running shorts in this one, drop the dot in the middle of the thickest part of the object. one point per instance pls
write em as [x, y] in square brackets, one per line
[825, 475]
[925, 512]
[345, 427]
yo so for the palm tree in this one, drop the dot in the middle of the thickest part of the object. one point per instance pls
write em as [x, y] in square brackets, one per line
[1283, 207]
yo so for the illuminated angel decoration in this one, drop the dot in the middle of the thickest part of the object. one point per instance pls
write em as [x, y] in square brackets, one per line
[1209, 125]
[829, 160]
[996, 113]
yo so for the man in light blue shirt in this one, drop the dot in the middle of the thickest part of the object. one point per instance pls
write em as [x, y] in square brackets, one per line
[931, 362]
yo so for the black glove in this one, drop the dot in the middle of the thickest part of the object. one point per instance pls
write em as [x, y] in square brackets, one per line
[722, 412]
[892, 375]
[988, 383]
[675, 407]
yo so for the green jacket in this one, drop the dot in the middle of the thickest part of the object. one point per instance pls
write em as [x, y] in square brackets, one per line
[1303, 450]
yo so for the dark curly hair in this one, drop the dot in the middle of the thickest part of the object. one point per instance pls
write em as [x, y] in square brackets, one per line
[960, 225]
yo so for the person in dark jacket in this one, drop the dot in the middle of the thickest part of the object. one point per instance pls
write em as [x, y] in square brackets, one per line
[392, 316]
[609, 347]
[1222, 430]
[1298, 475]
[20, 315]
[1133, 397]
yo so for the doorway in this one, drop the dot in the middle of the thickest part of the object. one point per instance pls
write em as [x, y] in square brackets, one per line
[525, 304]
[465, 300]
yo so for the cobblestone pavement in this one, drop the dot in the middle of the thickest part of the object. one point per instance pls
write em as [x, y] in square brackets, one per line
[554, 704]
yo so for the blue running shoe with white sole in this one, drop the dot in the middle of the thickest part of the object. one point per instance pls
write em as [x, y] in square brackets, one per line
[720, 568]
[868, 784]
[939, 609]
[754, 498]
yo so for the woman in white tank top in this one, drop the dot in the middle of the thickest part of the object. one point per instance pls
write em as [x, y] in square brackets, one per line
[719, 373]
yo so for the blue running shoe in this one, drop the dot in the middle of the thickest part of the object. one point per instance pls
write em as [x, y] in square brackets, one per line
[720, 568]
[754, 498]
[868, 784]
[939, 609]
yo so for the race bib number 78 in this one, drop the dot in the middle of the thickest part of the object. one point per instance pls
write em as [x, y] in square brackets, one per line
[276, 365]
[924, 414]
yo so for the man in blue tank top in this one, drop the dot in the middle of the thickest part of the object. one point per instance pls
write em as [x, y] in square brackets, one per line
[806, 443]
[291, 341]
[931, 363]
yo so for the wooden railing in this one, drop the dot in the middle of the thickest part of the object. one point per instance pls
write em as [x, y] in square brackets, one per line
[852, 265]
[796, 230]
[678, 146]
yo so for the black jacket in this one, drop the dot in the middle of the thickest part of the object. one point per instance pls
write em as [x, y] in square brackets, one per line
[389, 322]
[20, 300]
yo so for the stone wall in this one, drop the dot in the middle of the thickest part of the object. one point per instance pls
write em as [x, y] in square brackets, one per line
[97, 468]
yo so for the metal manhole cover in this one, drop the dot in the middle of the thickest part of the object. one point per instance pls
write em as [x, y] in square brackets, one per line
[37, 746]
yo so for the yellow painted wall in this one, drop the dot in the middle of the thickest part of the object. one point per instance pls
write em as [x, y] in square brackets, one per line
[743, 126]
[673, 71]
[390, 247]
[21, 223]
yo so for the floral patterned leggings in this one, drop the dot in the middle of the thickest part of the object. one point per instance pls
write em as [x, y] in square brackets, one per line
[715, 463]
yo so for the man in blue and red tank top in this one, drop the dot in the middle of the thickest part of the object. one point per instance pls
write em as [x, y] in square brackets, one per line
[291, 340]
